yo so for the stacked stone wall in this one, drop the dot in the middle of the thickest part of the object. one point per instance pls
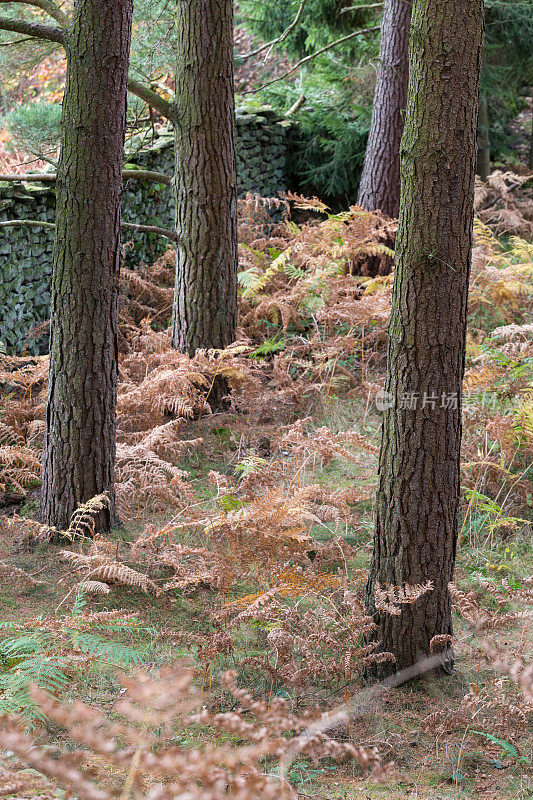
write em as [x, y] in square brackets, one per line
[262, 143]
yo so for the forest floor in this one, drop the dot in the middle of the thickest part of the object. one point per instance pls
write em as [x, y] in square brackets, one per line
[448, 764]
[268, 506]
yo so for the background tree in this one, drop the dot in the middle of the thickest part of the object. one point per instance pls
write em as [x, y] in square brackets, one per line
[79, 448]
[329, 143]
[205, 301]
[335, 120]
[507, 72]
[380, 180]
[418, 495]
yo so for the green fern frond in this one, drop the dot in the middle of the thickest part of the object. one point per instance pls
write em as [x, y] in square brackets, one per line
[249, 278]
[79, 603]
[272, 345]
[376, 249]
[252, 280]
[113, 652]
[250, 465]
[508, 749]
[50, 655]
[23, 645]
[47, 672]
[293, 271]
[523, 420]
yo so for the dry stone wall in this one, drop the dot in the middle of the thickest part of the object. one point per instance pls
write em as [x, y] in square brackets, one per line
[263, 144]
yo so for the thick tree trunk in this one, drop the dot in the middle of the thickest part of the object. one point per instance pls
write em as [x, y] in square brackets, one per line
[530, 160]
[79, 450]
[380, 180]
[483, 141]
[418, 496]
[205, 302]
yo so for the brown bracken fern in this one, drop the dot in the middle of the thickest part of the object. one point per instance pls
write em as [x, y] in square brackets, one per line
[134, 753]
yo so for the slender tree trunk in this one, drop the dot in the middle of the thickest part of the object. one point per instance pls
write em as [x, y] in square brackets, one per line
[418, 495]
[380, 180]
[79, 450]
[483, 141]
[205, 302]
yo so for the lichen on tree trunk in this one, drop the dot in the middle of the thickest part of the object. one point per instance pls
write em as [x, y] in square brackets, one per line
[205, 301]
[418, 495]
[380, 180]
[79, 449]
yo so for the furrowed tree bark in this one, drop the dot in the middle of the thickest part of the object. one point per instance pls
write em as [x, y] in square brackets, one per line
[530, 160]
[483, 140]
[205, 302]
[380, 179]
[79, 448]
[418, 495]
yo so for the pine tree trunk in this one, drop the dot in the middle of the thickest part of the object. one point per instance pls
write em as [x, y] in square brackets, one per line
[205, 301]
[483, 141]
[79, 450]
[380, 180]
[530, 160]
[418, 495]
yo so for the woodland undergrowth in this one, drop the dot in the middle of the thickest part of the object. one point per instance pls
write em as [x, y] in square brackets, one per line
[270, 537]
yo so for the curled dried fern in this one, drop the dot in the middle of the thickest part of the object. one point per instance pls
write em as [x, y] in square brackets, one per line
[83, 521]
[389, 599]
[98, 567]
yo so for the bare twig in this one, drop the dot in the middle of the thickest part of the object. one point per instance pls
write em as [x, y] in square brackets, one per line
[310, 57]
[152, 98]
[363, 702]
[366, 699]
[52, 34]
[16, 42]
[29, 177]
[269, 45]
[147, 175]
[26, 223]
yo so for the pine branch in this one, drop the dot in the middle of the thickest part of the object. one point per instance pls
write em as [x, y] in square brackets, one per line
[34, 29]
[152, 98]
[314, 55]
[52, 34]
[152, 229]
[362, 7]
[38, 223]
[51, 8]
[50, 177]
